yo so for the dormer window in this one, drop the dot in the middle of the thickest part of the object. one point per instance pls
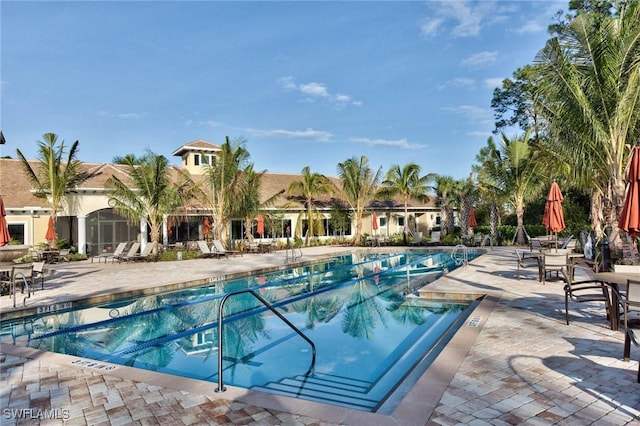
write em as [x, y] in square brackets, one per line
[196, 159]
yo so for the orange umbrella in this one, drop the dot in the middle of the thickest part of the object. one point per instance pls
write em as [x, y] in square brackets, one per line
[374, 221]
[51, 230]
[4, 228]
[260, 225]
[630, 217]
[472, 219]
[553, 218]
[207, 227]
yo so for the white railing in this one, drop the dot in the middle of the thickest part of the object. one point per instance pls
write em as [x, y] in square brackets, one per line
[460, 254]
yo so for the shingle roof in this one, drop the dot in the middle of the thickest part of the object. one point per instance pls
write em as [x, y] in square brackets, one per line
[16, 188]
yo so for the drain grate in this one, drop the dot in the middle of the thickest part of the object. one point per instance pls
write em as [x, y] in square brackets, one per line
[474, 322]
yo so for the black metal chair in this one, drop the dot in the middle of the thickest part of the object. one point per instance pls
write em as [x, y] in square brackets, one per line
[585, 292]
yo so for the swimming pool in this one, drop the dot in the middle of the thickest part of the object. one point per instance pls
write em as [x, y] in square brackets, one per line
[360, 311]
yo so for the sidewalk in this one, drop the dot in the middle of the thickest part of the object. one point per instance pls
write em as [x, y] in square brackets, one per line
[521, 364]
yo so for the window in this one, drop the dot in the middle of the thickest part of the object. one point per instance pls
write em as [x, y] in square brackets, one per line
[382, 220]
[196, 159]
[400, 220]
[16, 230]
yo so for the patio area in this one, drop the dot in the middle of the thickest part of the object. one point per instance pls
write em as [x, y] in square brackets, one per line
[517, 363]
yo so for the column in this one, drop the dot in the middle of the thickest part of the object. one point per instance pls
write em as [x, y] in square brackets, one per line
[82, 234]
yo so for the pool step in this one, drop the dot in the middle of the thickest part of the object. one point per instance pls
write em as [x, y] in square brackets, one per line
[324, 388]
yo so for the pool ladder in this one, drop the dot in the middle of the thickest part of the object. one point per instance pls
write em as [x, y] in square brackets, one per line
[26, 284]
[290, 254]
[460, 254]
[221, 387]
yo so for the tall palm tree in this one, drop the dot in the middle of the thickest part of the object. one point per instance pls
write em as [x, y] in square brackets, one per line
[359, 186]
[406, 183]
[446, 189]
[468, 196]
[55, 177]
[514, 167]
[228, 183]
[309, 187]
[491, 190]
[590, 78]
[152, 193]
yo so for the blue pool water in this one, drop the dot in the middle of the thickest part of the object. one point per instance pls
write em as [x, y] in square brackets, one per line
[360, 311]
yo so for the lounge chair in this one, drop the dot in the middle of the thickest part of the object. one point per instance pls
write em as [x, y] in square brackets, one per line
[219, 250]
[435, 239]
[132, 252]
[144, 255]
[204, 249]
[113, 256]
[417, 239]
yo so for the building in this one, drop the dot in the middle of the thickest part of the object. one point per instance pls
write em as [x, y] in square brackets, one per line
[91, 224]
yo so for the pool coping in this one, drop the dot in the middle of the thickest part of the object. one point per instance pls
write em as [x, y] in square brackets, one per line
[416, 406]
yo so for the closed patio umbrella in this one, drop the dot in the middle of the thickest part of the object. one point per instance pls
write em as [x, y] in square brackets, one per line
[472, 219]
[630, 217]
[51, 230]
[374, 221]
[207, 228]
[260, 225]
[553, 218]
[4, 228]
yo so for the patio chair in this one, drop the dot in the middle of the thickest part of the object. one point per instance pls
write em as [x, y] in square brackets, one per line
[555, 262]
[527, 259]
[632, 335]
[132, 252]
[434, 240]
[204, 249]
[417, 239]
[630, 301]
[38, 273]
[219, 250]
[19, 275]
[62, 256]
[585, 292]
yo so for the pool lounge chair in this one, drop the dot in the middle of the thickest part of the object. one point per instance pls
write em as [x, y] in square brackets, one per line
[132, 252]
[435, 239]
[219, 250]
[204, 249]
[113, 256]
[144, 255]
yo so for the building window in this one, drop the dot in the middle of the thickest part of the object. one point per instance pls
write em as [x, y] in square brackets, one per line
[16, 230]
[383, 221]
[400, 220]
[196, 159]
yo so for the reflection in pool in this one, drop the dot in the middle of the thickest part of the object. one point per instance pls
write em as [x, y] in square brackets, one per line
[360, 310]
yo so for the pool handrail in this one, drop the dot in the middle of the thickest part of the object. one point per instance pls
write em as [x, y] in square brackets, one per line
[221, 387]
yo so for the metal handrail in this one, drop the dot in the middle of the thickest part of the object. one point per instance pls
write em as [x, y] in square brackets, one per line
[293, 256]
[221, 388]
[465, 254]
[26, 283]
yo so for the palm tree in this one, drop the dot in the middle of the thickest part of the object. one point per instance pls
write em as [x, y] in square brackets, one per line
[311, 186]
[491, 190]
[228, 183]
[54, 178]
[514, 167]
[359, 186]
[590, 79]
[468, 195]
[152, 194]
[406, 183]
[446, 195]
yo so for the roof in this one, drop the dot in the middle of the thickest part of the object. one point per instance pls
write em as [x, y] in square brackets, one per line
[197, 145]
[16, 188]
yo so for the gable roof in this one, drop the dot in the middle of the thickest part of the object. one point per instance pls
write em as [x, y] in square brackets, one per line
[198, 146]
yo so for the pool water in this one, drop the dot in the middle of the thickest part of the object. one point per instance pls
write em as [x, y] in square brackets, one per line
[360, 310]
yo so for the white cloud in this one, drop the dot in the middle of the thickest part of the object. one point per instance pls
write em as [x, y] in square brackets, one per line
[122, 115]
[492, 83]
[458, 83]
[473, 113]
[463, 18]
[308, 134]
[531, 27]
[480, 59]
[399, 143]
[314, 91]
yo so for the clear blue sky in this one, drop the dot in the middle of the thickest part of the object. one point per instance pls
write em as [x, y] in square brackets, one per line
[307, 83]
